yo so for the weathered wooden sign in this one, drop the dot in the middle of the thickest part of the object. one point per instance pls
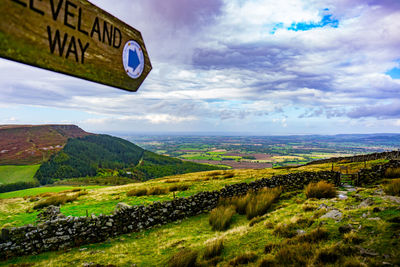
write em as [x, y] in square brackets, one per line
[73, 37]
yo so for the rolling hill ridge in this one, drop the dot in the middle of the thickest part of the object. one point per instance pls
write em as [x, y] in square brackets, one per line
[33, 144]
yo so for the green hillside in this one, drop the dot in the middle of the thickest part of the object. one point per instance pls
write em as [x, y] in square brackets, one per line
[13, 174]
[103, 154]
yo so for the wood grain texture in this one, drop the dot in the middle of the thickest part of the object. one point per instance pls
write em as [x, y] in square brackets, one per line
[94, 40]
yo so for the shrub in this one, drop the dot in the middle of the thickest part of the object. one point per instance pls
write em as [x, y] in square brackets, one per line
[214, 248]
[184, 258]
[221, 217]
[392, 172]
[261, 201]
[319, 190]
[243, 259]
[137, 192]
[393, 188]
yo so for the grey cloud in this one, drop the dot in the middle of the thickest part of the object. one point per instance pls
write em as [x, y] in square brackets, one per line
[391, 110]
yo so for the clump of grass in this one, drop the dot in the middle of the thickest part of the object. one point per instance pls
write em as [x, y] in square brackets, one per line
[228, 175]
[294, 255]
[393, 188]
[261, 201]
[352, 238]
[284, 230]
[288, 229]
[47, 194]
[137, 192]
[255, 220]
[221, 217]
[55, 201]
[353, 262]
[214, 173]
[254, 203]
[184, 258]
[314, 236]
[243, 259]
[269, 247]
[392, 173]
[319, 190]
[268, 261]
[308, 207]
[214, 248]
[328, 255]
[157, 191]
[178, 187]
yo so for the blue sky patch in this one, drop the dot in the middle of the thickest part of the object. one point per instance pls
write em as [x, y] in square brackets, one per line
[394, 73]
[327, 20]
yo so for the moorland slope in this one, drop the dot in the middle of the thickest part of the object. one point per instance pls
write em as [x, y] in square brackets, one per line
[33, 144]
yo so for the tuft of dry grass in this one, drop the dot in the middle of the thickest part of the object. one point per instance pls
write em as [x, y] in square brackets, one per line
[214, 173]
[246, 258]
[317, 235]
[213, 248]
[268, 261]
[154, 191]
[221, 217]
[294, 255]
[319, 190]
[392, 173]
[178, 187]
[309, 207]
[261, 201]
[393, 188]
[352, 238]
[328, 255]
[183, 258]
[288, 229]
[254, 203]
[56, 201]
[137, 192]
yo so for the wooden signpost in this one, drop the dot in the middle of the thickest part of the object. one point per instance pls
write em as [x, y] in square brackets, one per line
[73, 37]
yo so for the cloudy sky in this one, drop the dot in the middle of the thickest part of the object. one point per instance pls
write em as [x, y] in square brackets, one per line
[234, 66]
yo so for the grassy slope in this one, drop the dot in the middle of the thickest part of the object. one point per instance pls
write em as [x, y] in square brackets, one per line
[12, 174]
[155, 246]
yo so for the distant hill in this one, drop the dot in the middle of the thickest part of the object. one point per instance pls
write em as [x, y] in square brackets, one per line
[94, 154]
[33, 144]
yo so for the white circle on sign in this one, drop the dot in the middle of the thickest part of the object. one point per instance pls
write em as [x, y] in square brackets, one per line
[133, 59]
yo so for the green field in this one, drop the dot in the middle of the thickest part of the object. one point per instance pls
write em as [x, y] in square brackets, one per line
[11, 174]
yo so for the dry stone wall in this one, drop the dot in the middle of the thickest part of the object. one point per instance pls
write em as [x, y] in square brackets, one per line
[374, 174]
[360, 158]
[61, 233]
